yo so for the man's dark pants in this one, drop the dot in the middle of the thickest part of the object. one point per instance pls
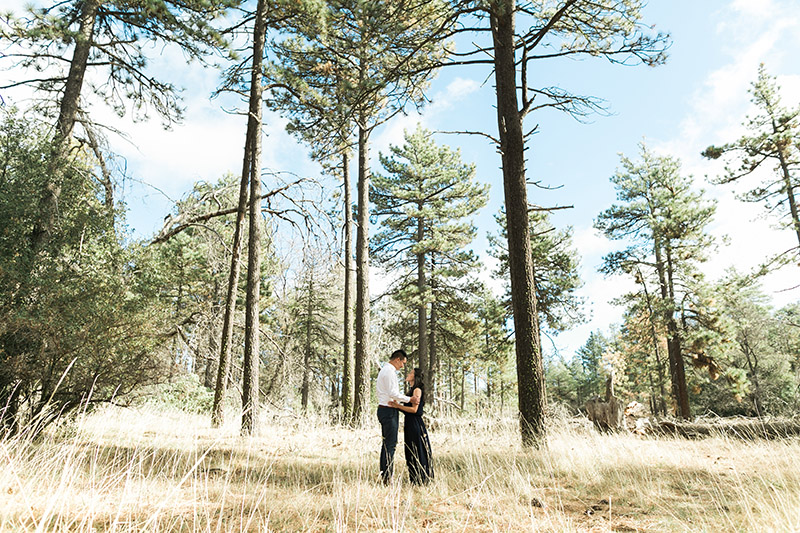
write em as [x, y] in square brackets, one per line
[390, 423]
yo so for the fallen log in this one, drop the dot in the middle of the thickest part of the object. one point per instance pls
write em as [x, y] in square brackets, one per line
[745, 429]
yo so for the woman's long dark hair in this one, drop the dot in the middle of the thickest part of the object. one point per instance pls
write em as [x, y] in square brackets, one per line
[419, 382]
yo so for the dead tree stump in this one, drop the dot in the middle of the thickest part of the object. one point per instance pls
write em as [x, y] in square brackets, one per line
[606, 415]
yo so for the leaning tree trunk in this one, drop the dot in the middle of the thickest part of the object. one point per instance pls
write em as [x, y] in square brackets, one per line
[252, 300]
[347, 373]
[223, 369]
[67, 116]
[530, 374]
[362, 280]
[224, 365]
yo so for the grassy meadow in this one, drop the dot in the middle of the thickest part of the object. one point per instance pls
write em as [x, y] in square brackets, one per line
[153, 470]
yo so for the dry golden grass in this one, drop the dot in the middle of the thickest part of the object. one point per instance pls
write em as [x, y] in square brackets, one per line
[143, 470]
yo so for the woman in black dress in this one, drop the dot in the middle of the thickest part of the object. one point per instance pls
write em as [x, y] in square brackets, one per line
[418, 445]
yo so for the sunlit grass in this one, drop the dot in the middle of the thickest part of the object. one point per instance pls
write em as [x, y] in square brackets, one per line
[134, 470]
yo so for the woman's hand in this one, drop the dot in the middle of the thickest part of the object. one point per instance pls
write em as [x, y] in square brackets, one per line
[394, 404]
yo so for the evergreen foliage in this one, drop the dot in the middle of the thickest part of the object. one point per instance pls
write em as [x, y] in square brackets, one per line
[664, 222]
[78, 324]
[774, 139]
[423, 204]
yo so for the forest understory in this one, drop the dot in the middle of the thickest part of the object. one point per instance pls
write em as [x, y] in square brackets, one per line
[148, 469]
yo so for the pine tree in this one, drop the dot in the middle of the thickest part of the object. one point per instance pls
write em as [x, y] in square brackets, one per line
[665, 221]
[315, 321]
[568, 28]
[423, 202]
[107, 39]
[555, 265]
[774, 139]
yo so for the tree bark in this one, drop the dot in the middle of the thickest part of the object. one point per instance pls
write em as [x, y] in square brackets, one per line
[252, 301]
[347, 373]
[434, 358]
[660, 405]
[362, 393]
[304, 390]
[787, 182]
[67, 116]
[676, 368]
[422, 316]
[530, 374]
[223, 369]
[675, 341]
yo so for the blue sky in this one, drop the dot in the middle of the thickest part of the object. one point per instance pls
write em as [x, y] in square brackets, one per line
[698, 98]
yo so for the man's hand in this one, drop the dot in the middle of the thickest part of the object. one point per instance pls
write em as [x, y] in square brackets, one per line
[414, 400]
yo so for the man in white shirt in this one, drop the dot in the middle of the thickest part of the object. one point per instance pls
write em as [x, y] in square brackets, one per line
[389, 417]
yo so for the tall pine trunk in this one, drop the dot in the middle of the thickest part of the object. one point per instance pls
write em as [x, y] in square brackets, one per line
[347, 373]
[675, 358]
[659, 405]
[304, 390]
[787, 183]
[223, 368]
[530, 374]
[422, 318]
[434, 358]
[362, 394]
[250, 386]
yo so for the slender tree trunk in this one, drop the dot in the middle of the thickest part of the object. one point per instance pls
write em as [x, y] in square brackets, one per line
[250, 383]
[752, 366]
[502, 396]
[530, 375]
[450, 395]
[224, 364]
[463, 386]
[347, 374]
[676, 368]
[434, 358]
[307, 351]
[362, 394]
[787, 183]
[422, 317]
[654, 336]
[223, 368]
[67, 116]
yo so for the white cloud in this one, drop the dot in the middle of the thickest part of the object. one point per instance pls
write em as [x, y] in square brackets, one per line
[392, 134]
[591, 243]
[456, 91]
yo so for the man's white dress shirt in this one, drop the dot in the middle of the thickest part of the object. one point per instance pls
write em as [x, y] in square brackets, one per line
[388, 388]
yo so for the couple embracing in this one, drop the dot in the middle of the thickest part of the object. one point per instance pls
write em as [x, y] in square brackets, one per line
[390, 402]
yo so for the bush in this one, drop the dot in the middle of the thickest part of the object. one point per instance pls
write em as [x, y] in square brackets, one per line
[185, 393]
